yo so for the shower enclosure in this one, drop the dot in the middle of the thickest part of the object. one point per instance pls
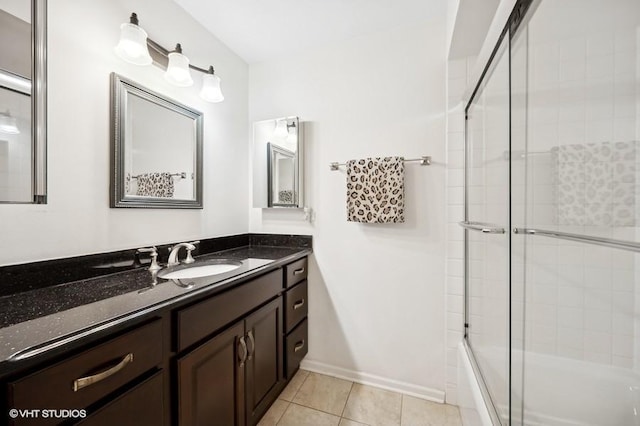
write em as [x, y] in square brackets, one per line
[552, 224]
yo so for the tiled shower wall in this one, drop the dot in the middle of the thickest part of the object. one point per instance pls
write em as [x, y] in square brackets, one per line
[580, 299]
[581, 177]
[458, 72]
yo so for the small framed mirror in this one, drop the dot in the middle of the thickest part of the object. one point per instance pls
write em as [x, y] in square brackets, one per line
[157, 149]
[23, 104]
[277, 163]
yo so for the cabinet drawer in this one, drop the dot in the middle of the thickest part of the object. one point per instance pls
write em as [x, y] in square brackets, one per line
[296, 272]
[296, 308]
[83, 379]
[296, 348]
[206, 317]
[142, 405]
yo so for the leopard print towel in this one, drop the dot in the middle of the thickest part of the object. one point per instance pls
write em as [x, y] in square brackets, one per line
[375, 190]
[155, 185]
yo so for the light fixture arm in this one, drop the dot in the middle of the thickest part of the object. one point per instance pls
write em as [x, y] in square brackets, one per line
[164, 54]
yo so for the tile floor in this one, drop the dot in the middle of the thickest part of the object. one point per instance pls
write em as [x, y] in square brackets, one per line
[312, 399]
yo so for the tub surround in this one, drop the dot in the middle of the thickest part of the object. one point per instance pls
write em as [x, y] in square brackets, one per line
[66, 311]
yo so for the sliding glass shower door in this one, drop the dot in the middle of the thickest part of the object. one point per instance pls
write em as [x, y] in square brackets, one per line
[552, 221]
[486, 232]
[575, 71]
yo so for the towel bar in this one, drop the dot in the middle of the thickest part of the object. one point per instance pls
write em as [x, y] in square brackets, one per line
[181, 175]
[424, 161]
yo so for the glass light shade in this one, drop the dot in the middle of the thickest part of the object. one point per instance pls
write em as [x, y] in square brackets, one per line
[211, 88]
[281, 130]
[8, 125]
[133, 45]
[178, 72]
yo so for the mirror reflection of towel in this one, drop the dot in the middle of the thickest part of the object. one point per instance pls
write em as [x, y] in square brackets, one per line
[155, 185]
[375, 190]
[285, 197]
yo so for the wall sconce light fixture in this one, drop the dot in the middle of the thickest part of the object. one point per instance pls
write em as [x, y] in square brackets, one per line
[133, 47]
[8, 124]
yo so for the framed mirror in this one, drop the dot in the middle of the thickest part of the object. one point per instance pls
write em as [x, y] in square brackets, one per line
[281, 185]
[23, 103]
[277, 163]
[156, 149]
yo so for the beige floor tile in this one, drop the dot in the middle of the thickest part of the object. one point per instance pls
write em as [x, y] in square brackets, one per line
[324, 393]
[294, 385]
[347, 422]
[297, 415]
[373, 406]
[419, 412]
[274, 413]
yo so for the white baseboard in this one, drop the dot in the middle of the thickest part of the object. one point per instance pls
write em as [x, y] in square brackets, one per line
[373, 380]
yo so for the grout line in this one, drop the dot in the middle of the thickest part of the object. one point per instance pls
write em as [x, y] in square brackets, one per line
[283, 413]
[401, 406]
[301, 384]
[346, 401]
[316, 409]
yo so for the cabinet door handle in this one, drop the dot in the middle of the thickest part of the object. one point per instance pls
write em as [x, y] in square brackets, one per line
[253, 344]
[298, 271]
[83, 382]
[298, 346]
[299, 304]
[243, 354]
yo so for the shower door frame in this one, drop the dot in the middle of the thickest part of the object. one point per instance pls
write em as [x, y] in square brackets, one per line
[516, 18]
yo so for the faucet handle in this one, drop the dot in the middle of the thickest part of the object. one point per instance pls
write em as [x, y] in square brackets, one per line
[190, 248]
[154, 257]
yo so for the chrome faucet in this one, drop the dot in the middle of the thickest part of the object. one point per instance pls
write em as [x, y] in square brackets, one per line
[173, 255]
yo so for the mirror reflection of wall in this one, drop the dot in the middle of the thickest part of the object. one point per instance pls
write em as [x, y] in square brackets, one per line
[16, 161]
[156, 150]
[277, 163]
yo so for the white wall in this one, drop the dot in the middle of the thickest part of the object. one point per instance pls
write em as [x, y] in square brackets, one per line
[376, 302]
[77, 220]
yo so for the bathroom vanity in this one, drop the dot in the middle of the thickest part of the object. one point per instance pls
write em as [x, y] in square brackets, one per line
[209, 350]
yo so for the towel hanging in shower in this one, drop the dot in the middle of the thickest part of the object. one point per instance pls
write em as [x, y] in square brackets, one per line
[375, 190]
[595, 183]
[155, 185]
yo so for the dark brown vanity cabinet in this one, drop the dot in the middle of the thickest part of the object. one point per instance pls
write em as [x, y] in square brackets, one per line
[217, 360]
[106, 380]
[233, 377]
[296, 310]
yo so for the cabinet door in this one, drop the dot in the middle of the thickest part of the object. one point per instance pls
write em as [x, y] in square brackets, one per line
[265, 366]
[211, 381]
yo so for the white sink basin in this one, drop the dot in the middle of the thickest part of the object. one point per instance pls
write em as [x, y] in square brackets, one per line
[198, 271]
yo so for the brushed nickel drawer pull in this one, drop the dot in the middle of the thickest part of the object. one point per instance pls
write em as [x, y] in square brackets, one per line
[298, 346]
[298, 271]
[298, 304]
[83, 382]
[253, 344]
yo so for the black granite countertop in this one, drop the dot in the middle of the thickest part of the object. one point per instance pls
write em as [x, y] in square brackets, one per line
[34, 321]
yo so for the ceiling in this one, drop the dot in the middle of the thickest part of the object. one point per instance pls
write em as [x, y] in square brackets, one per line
[258, 30]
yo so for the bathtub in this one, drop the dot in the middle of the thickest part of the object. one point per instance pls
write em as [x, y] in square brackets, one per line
[558, 391]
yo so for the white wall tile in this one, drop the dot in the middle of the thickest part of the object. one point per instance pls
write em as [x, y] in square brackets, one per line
[600, 43]
[455, 285]
[570, 317]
